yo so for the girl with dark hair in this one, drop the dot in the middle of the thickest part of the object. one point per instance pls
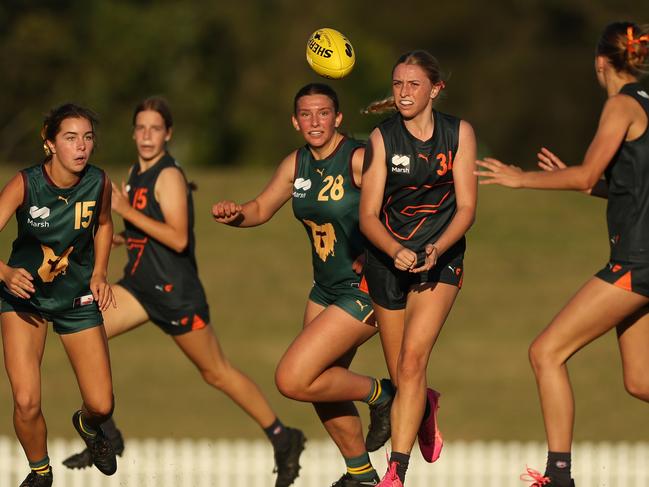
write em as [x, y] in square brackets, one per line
[418, 201]
[617, 296]
[161, 282]
[322, 180]
[57, 272]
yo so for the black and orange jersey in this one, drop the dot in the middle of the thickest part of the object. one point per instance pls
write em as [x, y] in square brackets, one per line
[628, 192]
[155, 272]
[419, 196]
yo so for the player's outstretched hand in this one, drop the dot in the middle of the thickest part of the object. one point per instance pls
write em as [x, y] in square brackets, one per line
[18, 281]
[102, 293]
[430, 260]
[226, 211]
[548, 160]
[405, 259]
[495, 172]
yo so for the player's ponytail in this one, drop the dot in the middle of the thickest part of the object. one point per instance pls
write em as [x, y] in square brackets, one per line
[418, 57]
[53, 120]
[626, 46]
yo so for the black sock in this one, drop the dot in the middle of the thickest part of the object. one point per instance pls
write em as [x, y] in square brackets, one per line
[402, 460]
[110, 429]
[277, 435]
[558, 468]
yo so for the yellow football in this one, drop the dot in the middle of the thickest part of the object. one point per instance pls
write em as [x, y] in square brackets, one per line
[330, 54]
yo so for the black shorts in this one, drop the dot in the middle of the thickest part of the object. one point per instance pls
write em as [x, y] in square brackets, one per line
[632, 277]
[389, 287]
[173, 320]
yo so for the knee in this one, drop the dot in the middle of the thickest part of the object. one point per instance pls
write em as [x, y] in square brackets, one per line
[217, 376]
[542, 357]
[289, 384]
[637, 386]
[27, 405]
[411, 367]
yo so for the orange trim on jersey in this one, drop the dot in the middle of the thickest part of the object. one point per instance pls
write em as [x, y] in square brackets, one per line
[362, 286]
[136, 243]
[624, 282]
[198, 323]
[431, 209]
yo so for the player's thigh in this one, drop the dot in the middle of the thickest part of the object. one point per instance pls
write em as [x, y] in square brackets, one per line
[596, 308]
[326, 339]
[390, 323]
[88, 353]
[128, 314]
[426, 312]
[23, 341]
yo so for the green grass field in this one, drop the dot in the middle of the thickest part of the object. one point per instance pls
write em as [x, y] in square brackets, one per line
[527, 253]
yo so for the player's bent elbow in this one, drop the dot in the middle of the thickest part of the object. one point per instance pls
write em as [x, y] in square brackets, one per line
[180, 244]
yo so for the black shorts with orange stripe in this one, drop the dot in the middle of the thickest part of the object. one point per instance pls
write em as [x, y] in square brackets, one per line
[389, 287]
[173, 320]
[632, 277]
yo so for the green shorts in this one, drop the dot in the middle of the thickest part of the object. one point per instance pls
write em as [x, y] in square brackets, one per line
[64, 322]
[355, 301]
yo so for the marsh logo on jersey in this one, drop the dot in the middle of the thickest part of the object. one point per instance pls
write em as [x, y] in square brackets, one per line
[53, 265]
[38, 214]
[643, 94]
[401, 164]
[324, 239]
[301, 186]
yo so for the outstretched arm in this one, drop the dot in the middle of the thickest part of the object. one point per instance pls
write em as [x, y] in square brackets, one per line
[549, 161]
[615, 121]
[258, 211]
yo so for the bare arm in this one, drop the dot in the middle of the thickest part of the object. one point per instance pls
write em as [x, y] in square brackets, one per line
[466, 190]
[171, 194]
[374, 177]
[549, 161]
[617, 117]
[17, 280]
[258, 211]
[99, 286]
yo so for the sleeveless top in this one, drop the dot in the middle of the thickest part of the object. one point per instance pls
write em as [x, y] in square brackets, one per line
[154, 271]
[325, 200]
[419, 196]
[55, 242]
[627, 175]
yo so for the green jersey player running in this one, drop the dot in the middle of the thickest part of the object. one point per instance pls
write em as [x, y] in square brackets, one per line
[322, 179]
[57, 272]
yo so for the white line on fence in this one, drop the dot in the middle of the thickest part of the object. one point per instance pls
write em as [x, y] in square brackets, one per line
[239, 463]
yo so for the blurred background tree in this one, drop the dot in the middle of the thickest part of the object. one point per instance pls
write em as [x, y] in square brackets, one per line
[520, 70]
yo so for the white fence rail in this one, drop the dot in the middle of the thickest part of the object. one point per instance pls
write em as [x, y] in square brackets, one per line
[221, 463]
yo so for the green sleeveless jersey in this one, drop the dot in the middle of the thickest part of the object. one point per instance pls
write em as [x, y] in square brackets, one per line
[55, 242]
[325, 200]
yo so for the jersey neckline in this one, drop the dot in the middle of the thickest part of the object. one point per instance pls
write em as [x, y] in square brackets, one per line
[416, 139]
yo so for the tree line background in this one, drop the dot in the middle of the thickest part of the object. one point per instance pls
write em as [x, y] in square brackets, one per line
[521, 71]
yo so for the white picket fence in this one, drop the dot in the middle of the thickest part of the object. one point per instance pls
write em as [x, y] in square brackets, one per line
[221, 463]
